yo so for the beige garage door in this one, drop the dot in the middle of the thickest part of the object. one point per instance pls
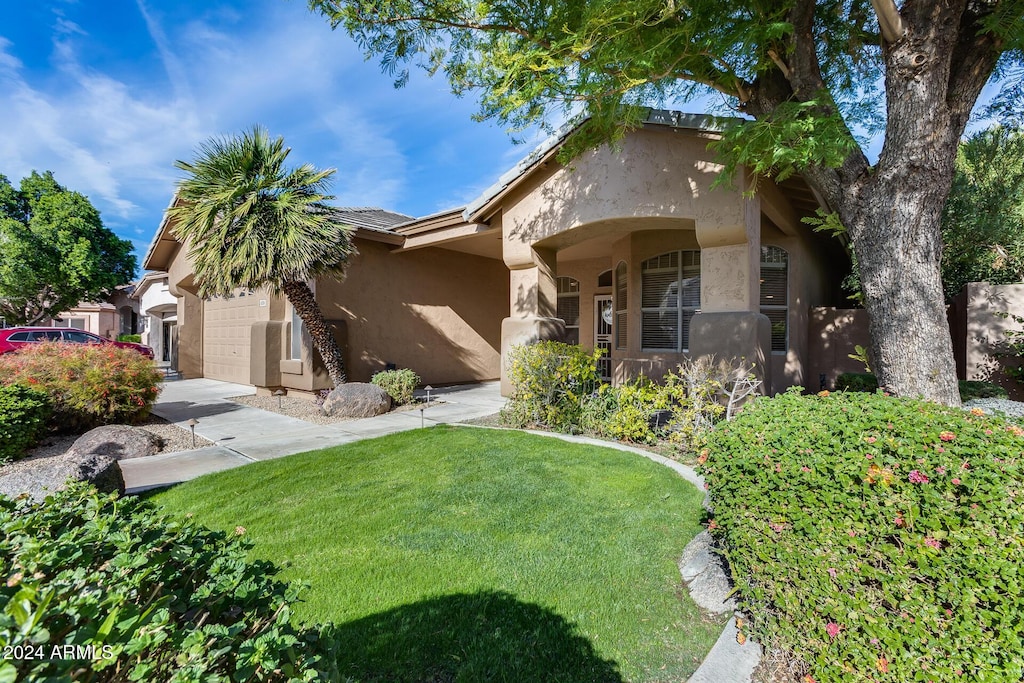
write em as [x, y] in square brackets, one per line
[226, 325]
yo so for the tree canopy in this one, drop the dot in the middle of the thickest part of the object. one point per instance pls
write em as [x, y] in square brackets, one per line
[983, 222]
[54, 251]
[251, 222]
[811, 80]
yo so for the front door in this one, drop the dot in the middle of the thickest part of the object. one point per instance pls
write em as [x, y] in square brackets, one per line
[603, 317]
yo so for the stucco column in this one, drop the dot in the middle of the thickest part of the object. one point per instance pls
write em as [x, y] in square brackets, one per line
[532, 306]
[190, 335]
[730, 324]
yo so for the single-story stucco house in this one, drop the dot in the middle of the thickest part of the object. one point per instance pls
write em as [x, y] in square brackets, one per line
[628, 249]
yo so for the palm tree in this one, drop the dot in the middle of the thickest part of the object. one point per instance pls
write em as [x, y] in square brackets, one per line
[251, 222]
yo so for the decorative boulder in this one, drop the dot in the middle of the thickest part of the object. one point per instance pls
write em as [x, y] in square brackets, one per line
[118, 441]
[43, 476]
[356, 399]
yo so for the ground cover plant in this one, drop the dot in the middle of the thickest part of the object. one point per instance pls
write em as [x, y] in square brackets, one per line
[87, 385]
[98, 588]
[460, 554]
[875, 538]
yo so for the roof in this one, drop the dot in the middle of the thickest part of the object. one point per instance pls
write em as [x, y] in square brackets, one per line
[549, 147]
[369, 217]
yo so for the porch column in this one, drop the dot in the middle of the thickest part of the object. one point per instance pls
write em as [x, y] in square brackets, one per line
[532, 306]
[730, 324]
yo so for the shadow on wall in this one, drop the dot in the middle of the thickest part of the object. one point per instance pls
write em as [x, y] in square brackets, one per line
[469, 637]
[990, 329]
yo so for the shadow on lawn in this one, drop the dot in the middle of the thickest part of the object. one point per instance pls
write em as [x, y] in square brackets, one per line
[485, 636]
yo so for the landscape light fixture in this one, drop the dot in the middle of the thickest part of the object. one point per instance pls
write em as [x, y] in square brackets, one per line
[428, 389]
[279, 393]
[192, 425]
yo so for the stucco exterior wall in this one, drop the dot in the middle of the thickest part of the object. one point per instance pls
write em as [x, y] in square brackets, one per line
[989, 311]
[834, 334]
[435, 311]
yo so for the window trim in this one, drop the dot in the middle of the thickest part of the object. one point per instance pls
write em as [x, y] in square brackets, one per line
[620, 295]
[569, 282]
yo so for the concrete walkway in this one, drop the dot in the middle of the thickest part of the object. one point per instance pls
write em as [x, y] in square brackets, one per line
[243, 434]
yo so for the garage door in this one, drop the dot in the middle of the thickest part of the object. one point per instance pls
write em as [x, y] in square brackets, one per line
[226, 324]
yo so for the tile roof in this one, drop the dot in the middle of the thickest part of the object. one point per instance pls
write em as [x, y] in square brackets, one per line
[370, 217]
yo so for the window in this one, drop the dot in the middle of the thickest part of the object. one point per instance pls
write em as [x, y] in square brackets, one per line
[569, 307]
[669, 298]
[621, 319]
[77, 323]
[18, 336]
[295, 351]
[775, 294]
[605, 279]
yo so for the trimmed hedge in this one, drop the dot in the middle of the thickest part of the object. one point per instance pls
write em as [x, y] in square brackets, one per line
[865, 381]
[88, 385]
[137, 338]
[23, 416]
[875, 538]
[398, 384]
[135, 595]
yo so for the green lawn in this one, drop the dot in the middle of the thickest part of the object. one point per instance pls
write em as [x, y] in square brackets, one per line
[459, 554]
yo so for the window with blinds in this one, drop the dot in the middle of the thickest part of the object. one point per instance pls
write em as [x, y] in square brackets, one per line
[669, 298]
[621, 320]
[775, 294]
[569, 307]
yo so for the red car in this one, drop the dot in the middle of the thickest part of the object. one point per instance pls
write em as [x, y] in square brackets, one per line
[14, 338]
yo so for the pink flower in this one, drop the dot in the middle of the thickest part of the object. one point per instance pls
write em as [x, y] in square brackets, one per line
[933, 542]
[940, 469]
[874, 641]
[851, 533]
[832, 629]
[947, 436]
[916, 477]
[870, 439]
[956, 481]
[805, 468]
[868, 456]
[832, 571]
[777, 526]
[977, 412]
[940, 449]
[899, 521]
[988, 432]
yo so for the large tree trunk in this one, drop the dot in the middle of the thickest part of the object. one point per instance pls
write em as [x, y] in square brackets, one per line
[301, 297]
[937, 59]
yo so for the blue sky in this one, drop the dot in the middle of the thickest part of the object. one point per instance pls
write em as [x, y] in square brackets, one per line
[109, 94]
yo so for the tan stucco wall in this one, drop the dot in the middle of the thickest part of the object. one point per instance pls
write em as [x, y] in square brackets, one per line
[834, 334]
[986, 329]
[435, 311]
[227, 334]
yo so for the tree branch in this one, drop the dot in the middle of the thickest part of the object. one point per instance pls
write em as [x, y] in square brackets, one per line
[889, 20]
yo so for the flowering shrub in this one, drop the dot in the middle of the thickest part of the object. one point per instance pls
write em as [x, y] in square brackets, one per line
[551, 382]
[23, 415]
[134, 595]
[398, 384]
[87, 385]
[875, 538]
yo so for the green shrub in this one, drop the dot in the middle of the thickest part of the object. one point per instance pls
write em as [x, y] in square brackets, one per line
[398, 384]
[972, 389]
[137, 338]
[23, 416]
[865, 381]
[550, 382]
[856, 381]
[143, 597]
[875, 538]
[87, 385]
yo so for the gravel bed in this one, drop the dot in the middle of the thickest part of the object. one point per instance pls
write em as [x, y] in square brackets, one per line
[173, 437]
[998, 406]
[304, 409]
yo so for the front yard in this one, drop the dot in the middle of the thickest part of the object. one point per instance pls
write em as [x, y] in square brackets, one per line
[457, 554]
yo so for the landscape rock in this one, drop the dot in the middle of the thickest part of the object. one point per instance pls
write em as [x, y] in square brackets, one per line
[42, 476]
[357, 399]
[117, 441]
[703, 571]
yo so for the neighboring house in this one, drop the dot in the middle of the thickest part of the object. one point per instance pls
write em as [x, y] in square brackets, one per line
[629, 249]
[119, 314]
[158, 315]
